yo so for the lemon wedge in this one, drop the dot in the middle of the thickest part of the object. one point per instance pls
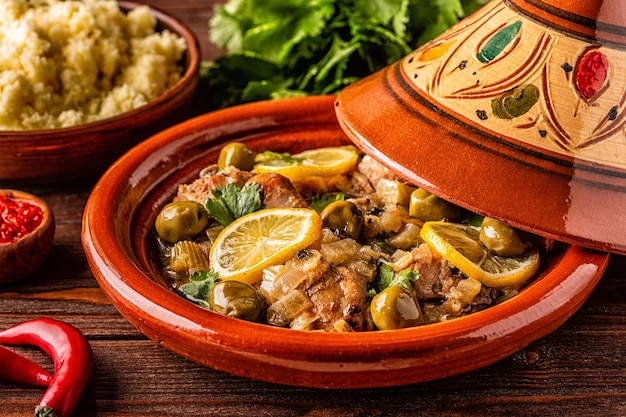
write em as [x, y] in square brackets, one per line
[257, 240]
[459, 244]
[315, 162]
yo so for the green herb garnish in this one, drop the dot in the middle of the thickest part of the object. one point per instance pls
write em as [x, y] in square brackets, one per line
[474, 219]
[199, 287]
[320, 202]
[231, 201]
[387, 278]
[286, 48]
[405, 278]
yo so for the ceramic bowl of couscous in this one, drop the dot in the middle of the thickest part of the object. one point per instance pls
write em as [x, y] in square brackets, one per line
[83, 81]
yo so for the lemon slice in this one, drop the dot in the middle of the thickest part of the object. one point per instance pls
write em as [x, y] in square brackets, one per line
[315, 162]
[266, 237]
[459, 244]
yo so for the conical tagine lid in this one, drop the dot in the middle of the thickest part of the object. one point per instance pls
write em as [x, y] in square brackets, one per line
[518, 112]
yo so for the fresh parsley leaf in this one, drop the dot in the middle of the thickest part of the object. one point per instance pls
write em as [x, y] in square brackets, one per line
[199, 287]
[475, 219]
[387, 278]
[382, 11]
[405, 278]
[320, 202]
[384, 278]
[230, 202]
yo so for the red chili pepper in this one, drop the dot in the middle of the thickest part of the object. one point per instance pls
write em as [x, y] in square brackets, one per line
[72, 357]
[20, 370]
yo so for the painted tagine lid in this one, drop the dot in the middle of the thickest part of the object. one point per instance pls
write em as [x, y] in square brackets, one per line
[518, 112]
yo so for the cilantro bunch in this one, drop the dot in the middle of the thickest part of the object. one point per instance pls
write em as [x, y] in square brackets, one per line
[283, 48]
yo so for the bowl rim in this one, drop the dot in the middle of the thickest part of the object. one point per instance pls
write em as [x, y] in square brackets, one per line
[156, 310]
[191, 61]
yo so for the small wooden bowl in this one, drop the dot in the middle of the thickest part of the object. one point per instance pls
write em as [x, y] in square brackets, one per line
[82, 151]
[119, 242]
[22, 257]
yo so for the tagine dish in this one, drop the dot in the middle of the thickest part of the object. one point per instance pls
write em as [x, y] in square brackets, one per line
[164, 287]
[326, 208]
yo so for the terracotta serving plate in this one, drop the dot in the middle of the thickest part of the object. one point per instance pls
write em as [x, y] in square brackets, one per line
[56, 155]
[119, 243]
[517, 112]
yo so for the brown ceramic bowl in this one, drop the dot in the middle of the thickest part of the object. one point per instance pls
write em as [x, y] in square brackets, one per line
[87, 150]
[22, 257]
[119, 243]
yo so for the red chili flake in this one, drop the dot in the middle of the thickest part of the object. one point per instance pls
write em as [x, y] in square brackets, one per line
[591, 74]
[18, 218]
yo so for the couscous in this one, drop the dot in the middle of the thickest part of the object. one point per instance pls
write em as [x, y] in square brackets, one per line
[65, 63]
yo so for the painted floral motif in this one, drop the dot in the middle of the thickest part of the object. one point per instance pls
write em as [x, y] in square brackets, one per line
[591, 74]
[499, 42]
[435, 52]
[515, 103]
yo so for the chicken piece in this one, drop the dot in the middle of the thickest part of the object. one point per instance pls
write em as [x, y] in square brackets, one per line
[303, 270]
[340, 301]
[435, 275]
[375, 171]
[200, 189]
[278, 191]
[356, 184]
[327, 297]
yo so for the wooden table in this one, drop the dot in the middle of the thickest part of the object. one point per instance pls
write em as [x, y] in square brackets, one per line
[578, 370]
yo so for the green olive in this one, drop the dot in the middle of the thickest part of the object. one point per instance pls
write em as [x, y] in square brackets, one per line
[343, 216]
[406, 238]
[237, 299]
[395, 308]
[426, 206]
[181, 220]
[500, 238]
[236, 154]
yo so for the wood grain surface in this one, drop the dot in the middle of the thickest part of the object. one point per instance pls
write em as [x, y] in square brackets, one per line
[580, 369]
